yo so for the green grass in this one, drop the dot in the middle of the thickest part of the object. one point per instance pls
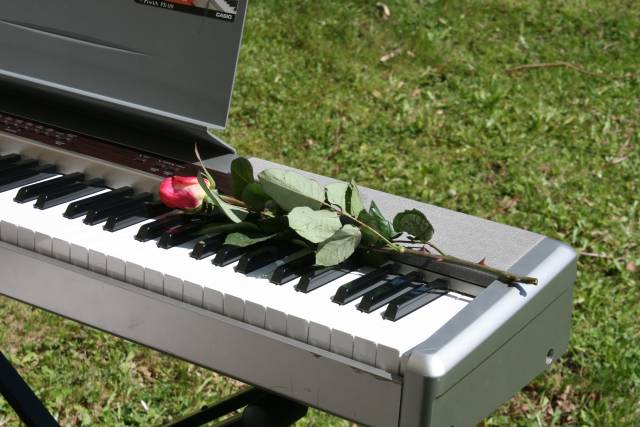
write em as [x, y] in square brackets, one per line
[553, 150]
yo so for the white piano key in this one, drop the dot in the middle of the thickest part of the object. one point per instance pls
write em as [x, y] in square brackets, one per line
[116, 268]
[153, 280]
[213, 300]
[43, 244]
[341, 343]
[192, 293]
[9, 232]
[173, 287]
[26, 239]
[364, 351]
[255, 314]
[79, 256]
[234, 307]
[388, 358]
[97, 261]
[60, 249]
[135, 274]
[276, 321]
[257, 306]
[297, 328]
[319, 336]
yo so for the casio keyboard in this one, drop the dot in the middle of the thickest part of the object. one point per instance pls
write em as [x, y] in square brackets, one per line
[83, 236]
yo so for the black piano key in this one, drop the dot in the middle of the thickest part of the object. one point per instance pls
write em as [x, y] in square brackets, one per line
[321, 276]
[8, 159]
[24, 177]
[208, 246]
[261, 257]
[96, 216]
[81, 207]
[20, 164]
[67, 194]
[386, 293]
[181, 234]
[18, 173]
[31, 192]
[413, 300]
[135, 215]
[229, 254]
[360, 286]
[154, 229]
[293, 269]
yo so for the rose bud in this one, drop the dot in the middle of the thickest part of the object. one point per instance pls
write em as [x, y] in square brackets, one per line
[182, 192]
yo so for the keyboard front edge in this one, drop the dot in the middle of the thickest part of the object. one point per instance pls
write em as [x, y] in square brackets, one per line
[293, 369]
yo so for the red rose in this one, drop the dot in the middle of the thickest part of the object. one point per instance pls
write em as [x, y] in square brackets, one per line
[182, 192]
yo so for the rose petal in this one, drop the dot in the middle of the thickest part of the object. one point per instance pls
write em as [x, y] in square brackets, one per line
[181, 192]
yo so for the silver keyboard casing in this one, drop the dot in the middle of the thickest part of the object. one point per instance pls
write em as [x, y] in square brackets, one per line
[504, 338]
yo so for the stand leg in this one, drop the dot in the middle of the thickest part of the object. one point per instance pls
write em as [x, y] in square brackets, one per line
[263, 409]
[220, 409]
[272, 411]
[21, 398]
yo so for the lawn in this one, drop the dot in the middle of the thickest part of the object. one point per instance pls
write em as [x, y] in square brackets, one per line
[429, 103]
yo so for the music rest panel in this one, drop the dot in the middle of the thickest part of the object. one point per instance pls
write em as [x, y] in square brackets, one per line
[136, 55]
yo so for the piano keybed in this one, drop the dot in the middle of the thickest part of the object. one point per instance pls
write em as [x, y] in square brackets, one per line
[354, 311]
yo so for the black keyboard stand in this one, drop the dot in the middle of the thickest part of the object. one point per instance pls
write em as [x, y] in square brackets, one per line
[21, 398]
[261, 408]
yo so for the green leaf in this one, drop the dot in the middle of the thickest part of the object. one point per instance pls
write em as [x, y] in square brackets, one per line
[383, 226]
[337, 194]
[346, 196]
[244, 240]
[241, 176]
[369, 237]
[233, 213]
[414, 223]
[315, 226]
[338, 247]
[354, 201]
[254, 196]
[291, 190]
[375, 220]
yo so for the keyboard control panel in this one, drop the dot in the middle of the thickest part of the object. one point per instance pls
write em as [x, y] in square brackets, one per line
[93, 147]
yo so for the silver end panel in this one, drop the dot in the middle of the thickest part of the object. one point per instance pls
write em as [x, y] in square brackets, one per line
[494, 346]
